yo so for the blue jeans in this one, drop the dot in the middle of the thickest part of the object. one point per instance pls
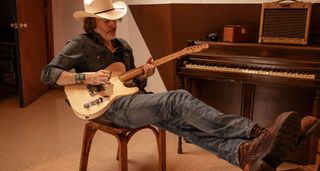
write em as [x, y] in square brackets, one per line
[181, 113]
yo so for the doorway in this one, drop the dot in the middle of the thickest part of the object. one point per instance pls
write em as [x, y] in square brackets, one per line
[26, 45]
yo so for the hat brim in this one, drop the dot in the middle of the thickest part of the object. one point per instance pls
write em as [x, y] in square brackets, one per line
[120, 9]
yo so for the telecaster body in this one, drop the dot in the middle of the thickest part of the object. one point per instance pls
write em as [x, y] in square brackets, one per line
[79, 95]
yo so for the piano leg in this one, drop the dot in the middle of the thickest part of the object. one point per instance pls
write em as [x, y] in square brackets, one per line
[182, 83]
[248, 92]
[316, 105]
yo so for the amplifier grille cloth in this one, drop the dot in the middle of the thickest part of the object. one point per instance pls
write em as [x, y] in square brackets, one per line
[289, 23]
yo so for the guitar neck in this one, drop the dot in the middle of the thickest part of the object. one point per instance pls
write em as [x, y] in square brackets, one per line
[139, 70]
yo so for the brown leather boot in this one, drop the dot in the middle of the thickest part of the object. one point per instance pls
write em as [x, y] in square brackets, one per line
[309, 126]
[256, 131]
[267, 151]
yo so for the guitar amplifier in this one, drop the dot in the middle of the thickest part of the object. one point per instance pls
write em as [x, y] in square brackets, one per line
[285, 22]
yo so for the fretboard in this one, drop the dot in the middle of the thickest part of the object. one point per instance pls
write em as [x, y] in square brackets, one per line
[139, 70]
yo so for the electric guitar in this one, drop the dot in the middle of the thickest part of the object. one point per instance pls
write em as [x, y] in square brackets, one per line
[90, 101]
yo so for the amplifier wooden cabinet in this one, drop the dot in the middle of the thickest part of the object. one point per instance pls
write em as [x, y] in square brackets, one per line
[285, 22]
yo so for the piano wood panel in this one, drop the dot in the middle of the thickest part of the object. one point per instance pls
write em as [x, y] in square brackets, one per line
[219, 94]
[270, 101]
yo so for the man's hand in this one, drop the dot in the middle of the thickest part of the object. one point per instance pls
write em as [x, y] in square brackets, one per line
[148, 70]
[98, 78]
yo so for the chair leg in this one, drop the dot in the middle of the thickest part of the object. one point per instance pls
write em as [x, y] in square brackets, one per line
[86, 145]
[122, 152]
[162, 149]
[118, 151]
[179, 150]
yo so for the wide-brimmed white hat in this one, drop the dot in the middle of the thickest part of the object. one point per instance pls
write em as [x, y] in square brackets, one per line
[101, 9]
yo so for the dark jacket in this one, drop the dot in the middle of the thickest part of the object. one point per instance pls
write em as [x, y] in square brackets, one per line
[88, 53]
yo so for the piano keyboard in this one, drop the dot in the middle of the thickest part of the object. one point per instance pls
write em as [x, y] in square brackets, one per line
[252, 71]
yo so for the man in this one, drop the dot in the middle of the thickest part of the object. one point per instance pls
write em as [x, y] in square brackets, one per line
[231, 137]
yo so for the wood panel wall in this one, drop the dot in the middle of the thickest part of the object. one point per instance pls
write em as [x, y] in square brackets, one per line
[166, 28]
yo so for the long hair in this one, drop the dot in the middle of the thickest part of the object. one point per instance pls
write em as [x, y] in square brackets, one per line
[89, 24]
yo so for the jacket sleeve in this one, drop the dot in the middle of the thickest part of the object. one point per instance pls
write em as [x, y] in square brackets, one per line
[64, 61]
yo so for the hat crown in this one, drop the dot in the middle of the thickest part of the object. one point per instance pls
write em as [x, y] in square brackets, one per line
[95, 6]
[101, 9]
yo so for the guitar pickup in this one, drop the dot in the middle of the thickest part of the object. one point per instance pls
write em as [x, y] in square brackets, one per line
[96, 101]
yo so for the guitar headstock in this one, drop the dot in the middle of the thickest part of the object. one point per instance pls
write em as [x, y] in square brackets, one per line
[196, 48]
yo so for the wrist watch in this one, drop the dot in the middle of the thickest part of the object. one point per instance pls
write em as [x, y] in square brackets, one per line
[79, 78]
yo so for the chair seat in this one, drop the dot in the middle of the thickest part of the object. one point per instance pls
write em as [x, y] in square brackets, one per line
[108, 126]
[123, 136]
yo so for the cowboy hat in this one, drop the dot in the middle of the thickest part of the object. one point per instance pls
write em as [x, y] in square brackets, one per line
[101, 9]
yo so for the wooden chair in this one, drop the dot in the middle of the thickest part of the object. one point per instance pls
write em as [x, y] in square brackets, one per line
[123, 136]
[179, 149]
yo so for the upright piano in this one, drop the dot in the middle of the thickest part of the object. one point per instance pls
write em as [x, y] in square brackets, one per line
[257, 81]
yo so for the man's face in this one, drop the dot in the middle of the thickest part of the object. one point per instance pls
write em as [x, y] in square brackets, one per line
[106, 28]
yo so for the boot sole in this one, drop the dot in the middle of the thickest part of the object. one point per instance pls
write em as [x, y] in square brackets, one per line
[287, 133]
[309, 132]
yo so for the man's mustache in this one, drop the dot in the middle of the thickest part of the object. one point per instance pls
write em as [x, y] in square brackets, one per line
[113, 30]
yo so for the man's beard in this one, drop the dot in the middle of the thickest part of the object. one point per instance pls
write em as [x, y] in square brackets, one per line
[111, 35]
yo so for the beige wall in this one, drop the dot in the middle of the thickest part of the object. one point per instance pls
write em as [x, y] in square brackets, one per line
[65, 27]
